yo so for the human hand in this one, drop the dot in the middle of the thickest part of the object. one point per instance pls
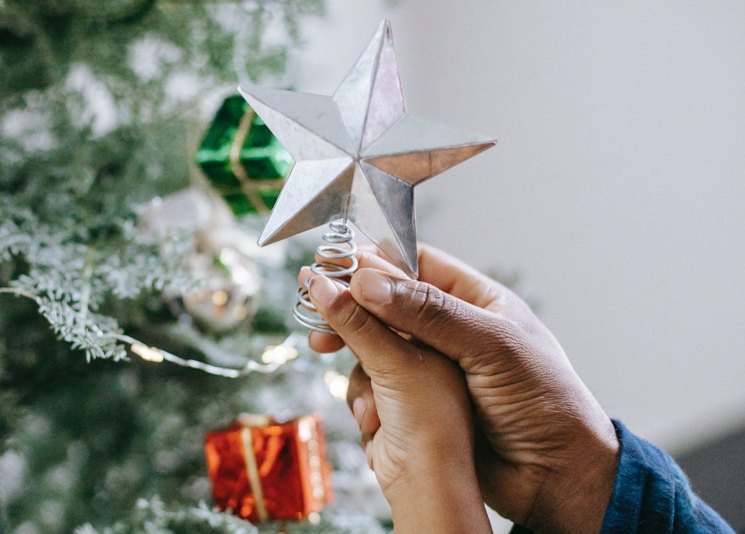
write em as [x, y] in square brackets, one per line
[548, 456]
[415, 419]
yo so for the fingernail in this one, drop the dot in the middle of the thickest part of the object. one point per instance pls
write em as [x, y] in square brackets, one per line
[369, 454]
[322, 290]
[376, 288]
[358, 409]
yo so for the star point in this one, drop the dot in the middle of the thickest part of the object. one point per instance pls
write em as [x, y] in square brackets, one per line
[358, 154]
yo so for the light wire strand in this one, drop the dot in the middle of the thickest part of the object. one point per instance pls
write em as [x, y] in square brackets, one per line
[155, 354]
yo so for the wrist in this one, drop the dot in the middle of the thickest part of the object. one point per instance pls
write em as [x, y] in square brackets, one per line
[438, 496]
[574, 498]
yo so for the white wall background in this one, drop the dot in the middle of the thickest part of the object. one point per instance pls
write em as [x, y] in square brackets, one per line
[617, 188]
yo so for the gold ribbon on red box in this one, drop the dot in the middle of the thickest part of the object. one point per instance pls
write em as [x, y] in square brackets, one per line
[262, 469]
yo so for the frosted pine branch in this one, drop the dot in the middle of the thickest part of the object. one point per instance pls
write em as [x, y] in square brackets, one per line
[71, 280]
[152, 517]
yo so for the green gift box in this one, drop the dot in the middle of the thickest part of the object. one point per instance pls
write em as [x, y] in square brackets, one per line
[242, 159]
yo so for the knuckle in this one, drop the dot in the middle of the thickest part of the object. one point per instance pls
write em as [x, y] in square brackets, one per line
[430, 307]
[495, 292]
[510, 334]
[500, 342]
[354, 318]
[426, 303]
[481, 341]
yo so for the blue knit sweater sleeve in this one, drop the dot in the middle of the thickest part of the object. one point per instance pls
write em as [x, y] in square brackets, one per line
[653, 496]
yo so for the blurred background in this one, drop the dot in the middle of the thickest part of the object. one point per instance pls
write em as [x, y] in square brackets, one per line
[616, 192]
[614, 203]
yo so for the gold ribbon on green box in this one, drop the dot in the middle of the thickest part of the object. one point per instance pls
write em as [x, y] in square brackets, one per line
[242, 159]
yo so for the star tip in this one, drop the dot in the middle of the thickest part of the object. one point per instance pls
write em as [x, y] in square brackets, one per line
[264, 240]
[242, 89]
[385, 27]
[486, 143]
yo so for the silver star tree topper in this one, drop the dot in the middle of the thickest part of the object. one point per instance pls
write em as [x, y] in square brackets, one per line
[358, 154]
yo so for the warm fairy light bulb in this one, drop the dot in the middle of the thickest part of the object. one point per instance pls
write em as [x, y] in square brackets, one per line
[337, 384]
[279, 354]
[219, 298]
[150, 354]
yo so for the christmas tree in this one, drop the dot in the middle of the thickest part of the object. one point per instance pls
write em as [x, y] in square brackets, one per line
[124, 296]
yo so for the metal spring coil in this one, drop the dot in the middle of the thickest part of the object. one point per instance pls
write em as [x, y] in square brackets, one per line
[342, 246]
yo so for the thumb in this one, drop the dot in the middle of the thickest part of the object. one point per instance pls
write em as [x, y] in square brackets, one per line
[384, 355]
[446, 323]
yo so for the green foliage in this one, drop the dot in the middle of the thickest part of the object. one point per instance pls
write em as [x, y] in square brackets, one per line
[71, 279]
[85, 441]
[99, 105]
[151, 517]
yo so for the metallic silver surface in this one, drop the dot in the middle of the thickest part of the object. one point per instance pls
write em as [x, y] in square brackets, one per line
[358, 154]
[340, 234]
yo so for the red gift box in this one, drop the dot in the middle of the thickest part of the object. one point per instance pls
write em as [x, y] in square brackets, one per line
[262, 469]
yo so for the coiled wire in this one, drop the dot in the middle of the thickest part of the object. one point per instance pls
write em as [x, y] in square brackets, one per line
[341, 246]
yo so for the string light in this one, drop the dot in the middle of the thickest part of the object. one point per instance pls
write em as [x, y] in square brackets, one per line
[279, 354]
[337, 384]
[150, 354]
[219, 298]
[153, 354]
[273, 357]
